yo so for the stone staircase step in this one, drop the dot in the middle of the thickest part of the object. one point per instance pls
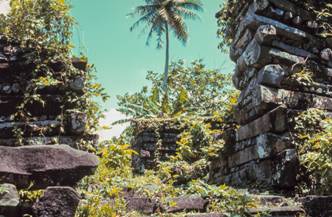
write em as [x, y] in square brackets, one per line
[287, 211]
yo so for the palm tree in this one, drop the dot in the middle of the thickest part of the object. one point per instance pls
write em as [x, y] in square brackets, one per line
[161, 16]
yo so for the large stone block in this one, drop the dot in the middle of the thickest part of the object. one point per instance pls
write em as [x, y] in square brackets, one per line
[252, 21]
[286, 211]
[187, 204]
[258, 56]
[265, 146]
[45, 165]
[253, 173]
[276, 121]
[9, 200]
[262, 99]
[72, 141]
[57, 202]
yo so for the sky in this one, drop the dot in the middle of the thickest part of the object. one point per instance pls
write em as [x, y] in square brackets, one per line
[122, 58]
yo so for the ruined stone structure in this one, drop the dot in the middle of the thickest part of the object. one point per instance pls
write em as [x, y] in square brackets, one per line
[274, 39]
[45, 157]
[154, 142]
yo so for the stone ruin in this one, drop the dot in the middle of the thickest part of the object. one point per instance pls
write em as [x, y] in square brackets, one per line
[47, 157]
[273, 39]
[155, 140]
[153, 143]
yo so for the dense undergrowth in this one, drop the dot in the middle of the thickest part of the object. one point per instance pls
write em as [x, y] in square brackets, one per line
[313, 137]
[105, 191]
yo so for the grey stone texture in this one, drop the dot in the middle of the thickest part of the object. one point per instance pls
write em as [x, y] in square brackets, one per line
[57, 201]
[273, 39]
[45, 165]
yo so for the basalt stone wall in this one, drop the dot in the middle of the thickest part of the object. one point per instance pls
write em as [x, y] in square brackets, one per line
[45, 157]
[154, 141]
[274, 39]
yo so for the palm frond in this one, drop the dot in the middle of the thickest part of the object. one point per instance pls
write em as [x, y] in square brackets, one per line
[156, 14]
[187, 14]
[179, 27]
[196, 5]
[145, 19]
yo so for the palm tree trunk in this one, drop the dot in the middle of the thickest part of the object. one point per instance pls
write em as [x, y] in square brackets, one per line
[165, 83]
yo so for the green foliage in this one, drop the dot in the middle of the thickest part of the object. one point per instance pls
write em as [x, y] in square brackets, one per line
[183, 174]
[196, 147]
[193, 89]
[314, 139]
[103, 193]
[28, 196]
[43, 29]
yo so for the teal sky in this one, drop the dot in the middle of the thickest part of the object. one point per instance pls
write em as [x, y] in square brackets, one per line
[122, 57]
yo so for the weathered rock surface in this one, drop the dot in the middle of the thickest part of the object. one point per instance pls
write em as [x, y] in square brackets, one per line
[206, 215]
[278, 211]
[283, 67]
[142, 204]
[187, 204]
[9, 200]
[57, 202]
[45, 165]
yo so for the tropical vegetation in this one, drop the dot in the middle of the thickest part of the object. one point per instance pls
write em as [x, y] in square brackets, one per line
[163, 16]
[193, 90]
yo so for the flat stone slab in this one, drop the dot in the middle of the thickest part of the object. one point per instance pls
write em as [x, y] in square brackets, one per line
[262, 99]
[142, 204]
[276, 121]
[187, 204]
[9, 200]
[266, 146]
[206, 215]
[287, 211]
[57, 201]
[73, 141]
[45, 165]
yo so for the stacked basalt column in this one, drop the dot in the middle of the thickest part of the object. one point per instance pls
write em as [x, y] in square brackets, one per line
[274, 40]
[45, 157]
